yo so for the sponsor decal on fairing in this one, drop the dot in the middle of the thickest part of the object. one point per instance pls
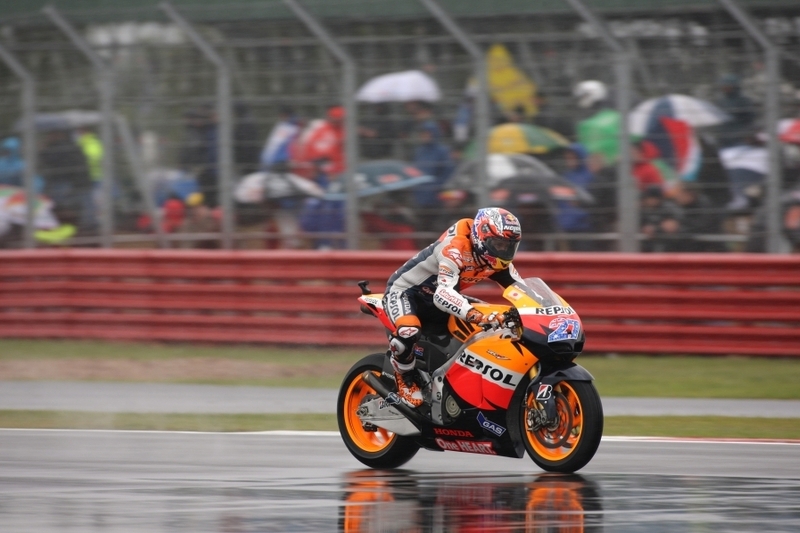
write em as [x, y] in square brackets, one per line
[547, 311]
[564, 329]
[491, 371]
[482, 447]
[545, 392]
[371, 300]
[447, 432]
[487, 424]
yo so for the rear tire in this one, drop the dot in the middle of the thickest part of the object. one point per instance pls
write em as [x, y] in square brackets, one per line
[570, 445]
[379, 448]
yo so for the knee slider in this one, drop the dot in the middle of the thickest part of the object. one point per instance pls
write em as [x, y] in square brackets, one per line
[404, 337]
[407, 327]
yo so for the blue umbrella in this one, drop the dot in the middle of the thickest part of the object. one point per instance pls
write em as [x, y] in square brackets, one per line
[376, 177]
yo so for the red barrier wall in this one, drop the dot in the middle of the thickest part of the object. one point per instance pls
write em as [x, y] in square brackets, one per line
[642, 303]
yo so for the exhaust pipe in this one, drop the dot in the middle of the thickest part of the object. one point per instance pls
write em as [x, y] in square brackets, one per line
[375, 382]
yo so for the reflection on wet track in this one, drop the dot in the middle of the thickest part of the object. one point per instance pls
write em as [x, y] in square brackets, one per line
[171, 482]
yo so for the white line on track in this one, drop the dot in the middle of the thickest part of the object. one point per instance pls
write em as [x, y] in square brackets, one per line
[287, 433]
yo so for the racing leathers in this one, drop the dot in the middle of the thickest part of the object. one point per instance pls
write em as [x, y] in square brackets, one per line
[430, 283]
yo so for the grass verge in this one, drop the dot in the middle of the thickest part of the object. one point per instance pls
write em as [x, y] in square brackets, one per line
[666, 426]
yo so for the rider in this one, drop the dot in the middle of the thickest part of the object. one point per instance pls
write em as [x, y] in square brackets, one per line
[429, 284]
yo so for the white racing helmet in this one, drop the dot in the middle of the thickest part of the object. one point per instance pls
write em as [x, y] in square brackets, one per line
[589, 92]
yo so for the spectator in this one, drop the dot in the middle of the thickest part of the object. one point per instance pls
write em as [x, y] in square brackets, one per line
[456, 204]
[199, 219]
[392, 216]
[660, 221]
[12, 165]
[378, 134]
[321, 140]
[744, 162]
[92, 148]
[741, 109]
[285, 212]
[697, 218]
[172, 214]
[462, 125]
[198, 155]
[277, 148]
[604, 191]
[63, 168]
[572, 218]
[646, 174]
[547, 117]
[598, 132]
[246, 152]
[320, 215]
[432, 157]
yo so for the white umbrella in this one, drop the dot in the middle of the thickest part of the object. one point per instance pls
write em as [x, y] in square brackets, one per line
[694, 111]
[258, 186]
[406, 86]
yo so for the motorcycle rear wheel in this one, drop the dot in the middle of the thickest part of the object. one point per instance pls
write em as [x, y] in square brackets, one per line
[379, 448]
[572, 443]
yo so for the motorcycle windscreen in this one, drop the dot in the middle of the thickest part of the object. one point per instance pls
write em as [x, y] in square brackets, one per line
[487, 373]
[534, 293]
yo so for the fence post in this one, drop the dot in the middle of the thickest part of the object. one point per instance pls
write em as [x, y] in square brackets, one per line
[105, 73]
[224, 122]
[351, 115]
[771, 117]
[135, 161]
[627, 191]
[482, 118]
[28, 103]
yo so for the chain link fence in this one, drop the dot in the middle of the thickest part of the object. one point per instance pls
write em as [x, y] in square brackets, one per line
[272, 124]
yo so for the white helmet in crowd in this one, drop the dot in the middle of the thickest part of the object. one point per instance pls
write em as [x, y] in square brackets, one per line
[589, 92]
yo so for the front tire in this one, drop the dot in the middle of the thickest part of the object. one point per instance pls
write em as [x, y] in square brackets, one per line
[377, 449]
[570, 444]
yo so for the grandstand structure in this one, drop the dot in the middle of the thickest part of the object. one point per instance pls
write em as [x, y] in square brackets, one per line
[156, 72]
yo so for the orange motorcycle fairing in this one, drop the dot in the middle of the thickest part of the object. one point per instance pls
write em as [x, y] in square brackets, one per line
[486, 374]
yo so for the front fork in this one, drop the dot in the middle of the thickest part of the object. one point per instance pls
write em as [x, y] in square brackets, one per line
[543, 387]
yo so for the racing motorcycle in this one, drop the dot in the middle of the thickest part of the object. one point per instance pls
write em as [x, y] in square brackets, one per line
[501, 390]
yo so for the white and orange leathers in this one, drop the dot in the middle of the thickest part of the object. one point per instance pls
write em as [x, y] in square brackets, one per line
[431, 281]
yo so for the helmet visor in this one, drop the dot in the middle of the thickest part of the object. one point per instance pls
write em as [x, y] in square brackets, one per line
[504, 249]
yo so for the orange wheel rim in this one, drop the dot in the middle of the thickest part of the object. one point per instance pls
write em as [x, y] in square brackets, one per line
[559, 442]
[368, 441]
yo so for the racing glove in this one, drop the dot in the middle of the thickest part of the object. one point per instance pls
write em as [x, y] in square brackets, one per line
[493, 320]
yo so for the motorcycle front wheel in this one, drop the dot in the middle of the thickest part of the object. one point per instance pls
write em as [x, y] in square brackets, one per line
[570, 443]
[375, 447]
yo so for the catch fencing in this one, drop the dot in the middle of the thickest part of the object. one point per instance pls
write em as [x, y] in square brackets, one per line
[193, 89]
[659, 304]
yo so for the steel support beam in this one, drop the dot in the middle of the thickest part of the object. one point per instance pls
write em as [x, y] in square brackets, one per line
[772, 56]
[224, 122]
[627, 191]
[482, 118]
[352, 220]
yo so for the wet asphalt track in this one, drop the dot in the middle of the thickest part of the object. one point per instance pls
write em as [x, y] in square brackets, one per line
[110, 481]
[207, 399]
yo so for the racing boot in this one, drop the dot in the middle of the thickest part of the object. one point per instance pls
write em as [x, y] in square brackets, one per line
[407, 388]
